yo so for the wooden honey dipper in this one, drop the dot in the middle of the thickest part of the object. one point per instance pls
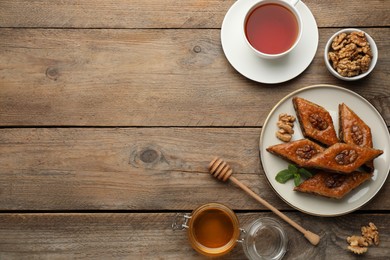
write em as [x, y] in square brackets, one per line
[222, 171]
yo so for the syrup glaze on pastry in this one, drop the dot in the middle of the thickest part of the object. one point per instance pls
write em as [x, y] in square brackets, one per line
[343, 158]
[315, 121]
[353, 130]
[298, 152]
[333, 185]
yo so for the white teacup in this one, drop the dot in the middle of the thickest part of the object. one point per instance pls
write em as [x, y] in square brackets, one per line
[272, 28]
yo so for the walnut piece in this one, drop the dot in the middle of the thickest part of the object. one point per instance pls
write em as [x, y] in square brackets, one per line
[285, 125]
[287, 119]
[339, 41]
[358, 250]
[346, 157]
[360, 244]
[334, 57]
[371, 234]
[306, 152]
[357, 134]
[365, 63]
[285, 137]
[350, 54]
[318, 122]
[358, 38]
[334, 181]
[357, 241]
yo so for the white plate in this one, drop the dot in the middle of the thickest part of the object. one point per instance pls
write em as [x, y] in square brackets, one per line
[251, 66]
[328, 97]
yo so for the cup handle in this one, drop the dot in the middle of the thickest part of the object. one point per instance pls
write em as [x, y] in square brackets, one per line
[294, 2]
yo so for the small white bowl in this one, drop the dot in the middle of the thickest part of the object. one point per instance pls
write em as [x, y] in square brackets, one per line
[374, 59]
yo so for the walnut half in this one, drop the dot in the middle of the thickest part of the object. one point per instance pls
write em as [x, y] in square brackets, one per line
[371, 234]
[357, 241]
[346, 157]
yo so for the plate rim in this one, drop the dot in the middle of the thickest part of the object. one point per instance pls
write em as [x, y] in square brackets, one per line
[261, 145]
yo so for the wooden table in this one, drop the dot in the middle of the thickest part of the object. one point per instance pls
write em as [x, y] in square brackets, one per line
[110, 112]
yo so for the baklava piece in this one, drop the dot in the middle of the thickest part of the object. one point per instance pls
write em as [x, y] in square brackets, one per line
[315, 121]
[343, 158]
[333, 185]
[353, 130]
[298, 152]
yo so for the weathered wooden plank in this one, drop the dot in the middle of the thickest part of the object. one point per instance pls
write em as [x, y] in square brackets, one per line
[132, 169]
[147, 236]
[171, 14]
[148, 78]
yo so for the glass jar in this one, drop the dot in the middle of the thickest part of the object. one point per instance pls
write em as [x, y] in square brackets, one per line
[264, 239]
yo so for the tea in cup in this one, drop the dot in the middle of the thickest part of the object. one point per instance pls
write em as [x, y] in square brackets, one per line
[272, 28]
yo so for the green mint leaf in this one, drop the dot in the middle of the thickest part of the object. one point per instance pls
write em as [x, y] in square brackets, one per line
[283, 176]
[292, 168]
[305, 172]
[297, 179]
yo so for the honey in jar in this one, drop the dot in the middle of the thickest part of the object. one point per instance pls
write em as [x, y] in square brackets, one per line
[213, 229]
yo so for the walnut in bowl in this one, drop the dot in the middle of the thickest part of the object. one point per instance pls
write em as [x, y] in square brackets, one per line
[350, 54]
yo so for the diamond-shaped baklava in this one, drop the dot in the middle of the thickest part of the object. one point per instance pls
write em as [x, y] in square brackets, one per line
[315, 121]
[333, 185]
[343, 158]
[353, 130]
[298, 152]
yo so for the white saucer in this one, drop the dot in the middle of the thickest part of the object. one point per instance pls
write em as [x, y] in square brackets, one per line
[251, 66]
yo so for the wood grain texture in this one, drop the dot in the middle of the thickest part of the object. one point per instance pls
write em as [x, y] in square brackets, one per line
[171, 14]
[110, 112]
[132, 169]
[149, 236]
[102, 77]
